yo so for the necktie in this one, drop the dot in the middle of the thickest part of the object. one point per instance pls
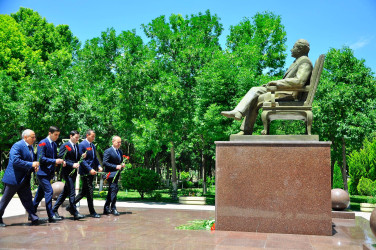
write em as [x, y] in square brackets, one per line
[75, 149]
[53, 144]
[31, 152]
[118, 153]
[92, 149]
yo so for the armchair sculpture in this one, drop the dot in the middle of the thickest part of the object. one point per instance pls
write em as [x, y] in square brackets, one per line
[293, 110]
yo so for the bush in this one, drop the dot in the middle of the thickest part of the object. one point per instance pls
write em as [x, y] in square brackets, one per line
[337, 177]
[366, 187]
[103, 194]
[140, 179]
[210, 181]
[184, 175]
[158, 196]
[188, 184]
[362, 163]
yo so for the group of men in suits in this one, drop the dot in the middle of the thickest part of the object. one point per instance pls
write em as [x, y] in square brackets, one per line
[23, 161]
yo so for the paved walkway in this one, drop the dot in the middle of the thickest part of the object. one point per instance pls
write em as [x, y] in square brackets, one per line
[152, 226]
[15, 207]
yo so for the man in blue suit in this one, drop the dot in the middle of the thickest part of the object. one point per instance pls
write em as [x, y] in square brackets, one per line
[112, 162]
[72, 156]
[47, 155]
[88, 168]
[22, 161]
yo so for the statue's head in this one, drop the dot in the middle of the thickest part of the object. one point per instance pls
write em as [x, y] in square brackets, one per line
[301, 48]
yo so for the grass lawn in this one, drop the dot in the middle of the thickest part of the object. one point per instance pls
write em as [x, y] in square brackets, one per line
[133, 195]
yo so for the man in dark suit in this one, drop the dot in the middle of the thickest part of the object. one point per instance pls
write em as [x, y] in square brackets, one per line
[22, 161]
[112, 162]
[72, 156]
[88, 168]
[47, 155]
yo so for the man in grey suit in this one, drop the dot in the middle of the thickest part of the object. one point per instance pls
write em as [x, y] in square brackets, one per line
[297, 76]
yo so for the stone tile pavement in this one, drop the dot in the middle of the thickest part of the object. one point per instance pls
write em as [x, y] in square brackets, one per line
[152, 226]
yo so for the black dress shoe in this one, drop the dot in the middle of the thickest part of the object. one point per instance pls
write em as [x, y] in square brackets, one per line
[57, 216]
[115, 212]
[2, 224]
[95, 215]
[54, 219]
[78, 216]
[106, 211]
[35, 222]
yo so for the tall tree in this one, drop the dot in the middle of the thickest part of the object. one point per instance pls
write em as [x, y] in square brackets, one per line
[344, 106]
[182, 46]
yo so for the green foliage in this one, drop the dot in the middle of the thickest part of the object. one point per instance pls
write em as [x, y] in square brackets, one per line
[33, 181]
[187, 184]
[141, 179]
[344, 106]
[262, 41]
[362, 164]
[184, 175]
[337, 177]
[362, 199]
[103, 194]
[210, 181]
[366, 187]
[197, 225]
[1, 183]
[158, 196]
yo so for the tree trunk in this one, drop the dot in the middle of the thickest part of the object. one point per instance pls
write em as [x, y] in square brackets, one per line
[332, 163]
[173, 166]
[203, 162]
[344, 175]
[157, 167]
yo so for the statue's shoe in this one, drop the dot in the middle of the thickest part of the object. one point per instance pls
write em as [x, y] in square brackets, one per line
[232, 114]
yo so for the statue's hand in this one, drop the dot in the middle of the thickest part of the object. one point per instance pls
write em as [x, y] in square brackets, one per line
[273, 83]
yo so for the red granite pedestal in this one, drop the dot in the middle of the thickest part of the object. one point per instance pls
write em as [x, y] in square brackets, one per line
[274, 187]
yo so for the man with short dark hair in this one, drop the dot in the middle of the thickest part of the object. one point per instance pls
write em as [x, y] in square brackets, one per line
[88, 168]
[47, 155]
[297, 76]
[72, 156]
[22, 161]
[112, 162]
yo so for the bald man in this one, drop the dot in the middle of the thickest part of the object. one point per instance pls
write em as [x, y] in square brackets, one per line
[112, 162]
[297, 75]
[22, 162]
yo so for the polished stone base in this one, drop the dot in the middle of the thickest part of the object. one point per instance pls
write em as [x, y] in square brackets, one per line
[274, 138]
[274, 187]
[343, 215]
